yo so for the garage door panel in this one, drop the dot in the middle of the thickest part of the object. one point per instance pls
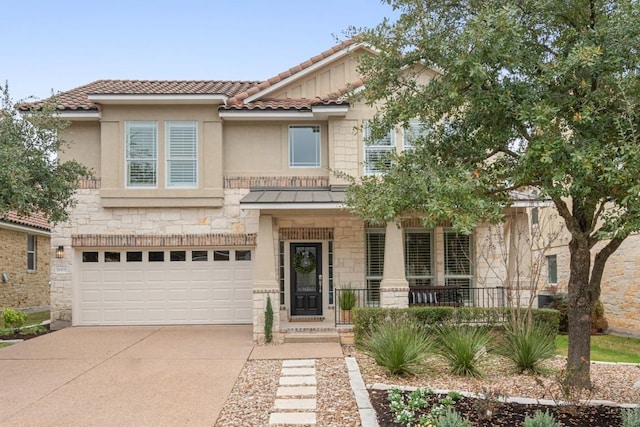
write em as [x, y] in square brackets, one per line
[165, 292]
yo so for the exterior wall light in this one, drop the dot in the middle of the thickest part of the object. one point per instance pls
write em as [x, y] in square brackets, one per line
[60, 252]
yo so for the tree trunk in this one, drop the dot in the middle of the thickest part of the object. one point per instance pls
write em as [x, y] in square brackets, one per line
[581, 299]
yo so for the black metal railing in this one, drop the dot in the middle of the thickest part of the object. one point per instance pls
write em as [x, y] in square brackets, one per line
[351, 297]
[456, 296]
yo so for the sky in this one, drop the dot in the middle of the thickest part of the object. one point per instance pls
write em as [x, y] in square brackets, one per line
[59, 45]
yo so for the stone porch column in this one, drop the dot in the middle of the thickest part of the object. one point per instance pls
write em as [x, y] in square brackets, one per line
[394, 288]
[265, 283]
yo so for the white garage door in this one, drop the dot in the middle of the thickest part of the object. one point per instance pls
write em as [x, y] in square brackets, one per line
[164, 287]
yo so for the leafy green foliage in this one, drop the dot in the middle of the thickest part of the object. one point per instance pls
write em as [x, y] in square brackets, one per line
[13, 318]
[268, 321]
[463, 347]
[515, 95]
[400, 346]
[631, 417]
[368, 318]
[404, 406]
[452, 419]
[527, 346]
[32, 179]
[541, 419]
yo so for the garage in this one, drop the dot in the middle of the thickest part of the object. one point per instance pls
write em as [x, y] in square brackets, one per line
[163, 287]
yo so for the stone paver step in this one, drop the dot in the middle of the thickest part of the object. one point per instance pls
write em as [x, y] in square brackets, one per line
[306, 380]
[292, 418]
[295, 404]
[297, 391]
[292, 363]
[298, 371]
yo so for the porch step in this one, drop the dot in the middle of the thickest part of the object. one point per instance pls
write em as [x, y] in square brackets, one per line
[296, 319]
[312, 337]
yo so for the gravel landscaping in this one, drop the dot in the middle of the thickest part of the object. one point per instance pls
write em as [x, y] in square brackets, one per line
[254, 393]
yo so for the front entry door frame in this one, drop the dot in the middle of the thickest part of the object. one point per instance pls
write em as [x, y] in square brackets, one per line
[306, 288]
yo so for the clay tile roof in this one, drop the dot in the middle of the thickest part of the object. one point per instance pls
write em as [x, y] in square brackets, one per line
[283, 104]
[34, 221]
[77, 99]
[239, 97]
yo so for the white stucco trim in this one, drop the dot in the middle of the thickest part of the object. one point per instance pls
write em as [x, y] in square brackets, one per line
[79, 115]
[25, 229]
[265, 115]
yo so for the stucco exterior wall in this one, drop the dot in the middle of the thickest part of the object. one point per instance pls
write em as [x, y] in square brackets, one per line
[24, 288]
[84, 140]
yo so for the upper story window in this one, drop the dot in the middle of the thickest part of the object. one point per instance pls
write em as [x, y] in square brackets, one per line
[413, 132]
[141, 139]
[182, 153]
[31, 252]
[304, 146]
[375, 151]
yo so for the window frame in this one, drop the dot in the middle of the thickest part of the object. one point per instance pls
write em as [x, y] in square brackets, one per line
[168, 125]
[318, 146]
[373, 289]
[414, 130]
[431, 277]
[375, 147]
[551, 272]
[130, 160]
[457, 277]
[32, 252]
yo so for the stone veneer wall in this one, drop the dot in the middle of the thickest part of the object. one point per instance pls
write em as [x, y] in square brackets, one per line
[90, 218]
[621, 287]
[24, 288]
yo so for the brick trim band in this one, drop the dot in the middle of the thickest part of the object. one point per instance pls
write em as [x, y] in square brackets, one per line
[302, 233]
[167, 240]
[275, 181]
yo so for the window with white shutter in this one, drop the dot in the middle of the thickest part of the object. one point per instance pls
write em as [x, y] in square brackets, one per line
[141, 140]
[375, 262]
[458, 268]
[182, 153]
[418, 257]
[376, 151]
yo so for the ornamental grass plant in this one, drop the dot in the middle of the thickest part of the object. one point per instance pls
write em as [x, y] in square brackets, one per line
[527, 346]
[463, 347]
[400, 346]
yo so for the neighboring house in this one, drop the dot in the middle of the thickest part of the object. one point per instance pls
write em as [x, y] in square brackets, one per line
[620, 286]
[25, 261]
[210, 196]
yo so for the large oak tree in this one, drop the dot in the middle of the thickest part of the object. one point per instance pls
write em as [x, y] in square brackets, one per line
[32, 179]
[528, 94]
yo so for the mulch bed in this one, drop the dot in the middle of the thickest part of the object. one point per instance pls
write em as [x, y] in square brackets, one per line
[16, 335]
[509, 414]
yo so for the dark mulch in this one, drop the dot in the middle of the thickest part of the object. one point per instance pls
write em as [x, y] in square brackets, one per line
[17, 335]
[509, 414]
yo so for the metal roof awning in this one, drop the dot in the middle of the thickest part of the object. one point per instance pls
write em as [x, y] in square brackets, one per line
[312, 198]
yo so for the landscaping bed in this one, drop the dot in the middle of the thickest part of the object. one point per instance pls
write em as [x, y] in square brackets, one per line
[24, 334]
[507, 414]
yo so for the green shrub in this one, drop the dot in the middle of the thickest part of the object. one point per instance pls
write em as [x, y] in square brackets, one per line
[13, 318]
[268, 321]
[631, 417]
[400, 346]
[541, 419]
[367, 318]
[528, 346]
[452, 419]
[463, 347]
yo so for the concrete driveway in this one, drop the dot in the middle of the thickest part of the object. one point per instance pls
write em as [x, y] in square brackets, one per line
[124, 376]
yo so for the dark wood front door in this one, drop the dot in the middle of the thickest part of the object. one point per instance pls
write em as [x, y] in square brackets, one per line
[306, 279]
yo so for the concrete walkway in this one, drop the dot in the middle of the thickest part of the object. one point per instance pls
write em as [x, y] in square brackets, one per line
[129, 376]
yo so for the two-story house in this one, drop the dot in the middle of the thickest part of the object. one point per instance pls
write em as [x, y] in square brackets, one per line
[210, 196]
